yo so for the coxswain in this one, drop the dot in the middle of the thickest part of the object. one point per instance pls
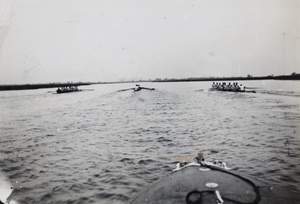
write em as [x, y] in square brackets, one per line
[242, 87]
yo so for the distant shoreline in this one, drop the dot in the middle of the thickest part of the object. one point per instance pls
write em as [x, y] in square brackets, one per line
[16, 87]
[293, 76]
[281, 77]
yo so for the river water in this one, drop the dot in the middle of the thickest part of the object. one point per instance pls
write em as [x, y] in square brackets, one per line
[104, 146]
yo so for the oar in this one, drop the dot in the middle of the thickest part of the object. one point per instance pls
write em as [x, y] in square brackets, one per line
[125, 89]
[148, 88]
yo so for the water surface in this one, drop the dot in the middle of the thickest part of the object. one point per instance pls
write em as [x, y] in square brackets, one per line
[104, 146]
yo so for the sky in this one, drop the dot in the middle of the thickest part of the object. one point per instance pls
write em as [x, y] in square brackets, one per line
[113, 40]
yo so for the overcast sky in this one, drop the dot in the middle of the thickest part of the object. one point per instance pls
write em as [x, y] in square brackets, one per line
[110, 40]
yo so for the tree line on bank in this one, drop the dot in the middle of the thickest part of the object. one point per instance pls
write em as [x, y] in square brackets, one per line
[293, 76]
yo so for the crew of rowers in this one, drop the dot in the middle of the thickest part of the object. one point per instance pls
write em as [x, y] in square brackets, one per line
[67, 89]
[228, 87]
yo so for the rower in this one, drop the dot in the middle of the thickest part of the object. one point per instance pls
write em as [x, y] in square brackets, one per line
[236, 86]
[223, 85]
[213, 85]
[137, 88]
[229, 86]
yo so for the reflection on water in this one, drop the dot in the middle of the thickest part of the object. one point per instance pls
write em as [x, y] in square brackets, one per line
[104, 146]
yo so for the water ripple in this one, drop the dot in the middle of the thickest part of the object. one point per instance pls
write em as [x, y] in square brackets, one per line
[105, 146]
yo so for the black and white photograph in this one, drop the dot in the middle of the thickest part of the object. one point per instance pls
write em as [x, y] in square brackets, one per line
[149, 101]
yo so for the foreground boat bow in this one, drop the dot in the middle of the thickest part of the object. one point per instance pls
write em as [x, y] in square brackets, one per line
[201, 182]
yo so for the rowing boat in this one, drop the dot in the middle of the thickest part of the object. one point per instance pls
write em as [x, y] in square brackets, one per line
[67, 89]
[137, 88]
[231, 90]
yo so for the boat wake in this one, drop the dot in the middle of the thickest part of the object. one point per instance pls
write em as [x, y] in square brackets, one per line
[281, 93]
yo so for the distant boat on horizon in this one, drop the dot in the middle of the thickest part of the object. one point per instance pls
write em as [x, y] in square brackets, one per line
[137, 88]
[67, 89]
[235, 87]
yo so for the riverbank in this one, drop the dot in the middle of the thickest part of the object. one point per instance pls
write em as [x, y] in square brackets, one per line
[39, 86]
[293, 76]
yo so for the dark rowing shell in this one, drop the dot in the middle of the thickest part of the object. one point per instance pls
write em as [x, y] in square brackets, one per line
[67, 91]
